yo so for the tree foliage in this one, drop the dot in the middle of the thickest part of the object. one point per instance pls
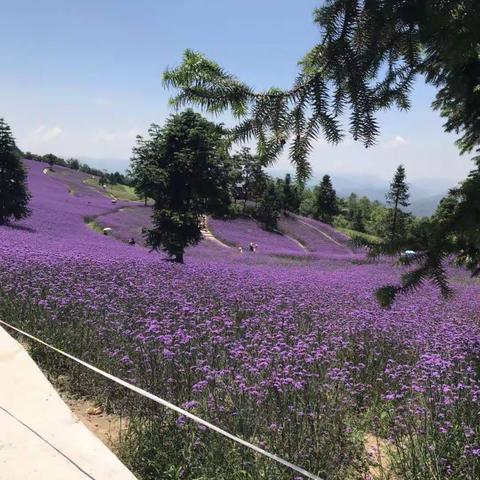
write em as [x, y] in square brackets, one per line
[367, 59]
[14, 196]
[326, 206]
[397, 197]
[368, 56]
[452, 234]
[269, 209]
[186, 169]
[248, 176]
[291, 194]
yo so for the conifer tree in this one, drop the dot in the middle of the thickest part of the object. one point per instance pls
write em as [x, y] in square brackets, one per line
[358, 223]
[367, 59]
[291, 195]
[184, 168]
[250, 176]
[397, 197]
[268, 211]
[14, 196]
[326, 206]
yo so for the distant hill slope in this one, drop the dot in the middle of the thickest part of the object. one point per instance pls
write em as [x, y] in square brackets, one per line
[424, 207]
[425, 194]
[69, 203]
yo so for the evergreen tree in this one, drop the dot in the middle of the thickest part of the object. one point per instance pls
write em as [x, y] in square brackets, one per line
[291, 195]
[250, 177]
[184, 168]
[280, 192]
[14, 196]
[307, 204]
[325, 201]
[358, 223]
[73, 163]
[352, 205]
[366, 60]
[397, 197]
[268, 211]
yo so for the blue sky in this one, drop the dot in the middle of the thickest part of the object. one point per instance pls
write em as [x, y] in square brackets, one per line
[84, 78]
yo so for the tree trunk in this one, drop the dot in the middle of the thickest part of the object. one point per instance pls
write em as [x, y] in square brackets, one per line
[394, 224]
[179, 257]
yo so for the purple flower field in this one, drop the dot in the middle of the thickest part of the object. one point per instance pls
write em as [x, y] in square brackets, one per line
[295, 357]
[316, 236]
[240, 232]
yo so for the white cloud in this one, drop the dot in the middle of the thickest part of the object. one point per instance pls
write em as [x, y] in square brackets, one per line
[398, 141]
[44, 134]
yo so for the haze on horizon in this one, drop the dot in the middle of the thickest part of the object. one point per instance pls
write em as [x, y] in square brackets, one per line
[83, 79]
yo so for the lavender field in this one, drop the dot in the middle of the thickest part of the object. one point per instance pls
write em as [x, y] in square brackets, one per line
[286, 347]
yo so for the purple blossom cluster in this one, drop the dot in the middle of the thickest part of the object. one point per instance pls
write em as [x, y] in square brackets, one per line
[298, 357]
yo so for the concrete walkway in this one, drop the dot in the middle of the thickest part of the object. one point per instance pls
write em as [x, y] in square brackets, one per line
[40, 439]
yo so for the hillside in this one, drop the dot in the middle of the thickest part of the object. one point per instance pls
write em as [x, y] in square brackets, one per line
[285, 347]
[297, 236]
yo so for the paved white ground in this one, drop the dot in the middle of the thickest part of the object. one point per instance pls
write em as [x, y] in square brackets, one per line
[40, 439]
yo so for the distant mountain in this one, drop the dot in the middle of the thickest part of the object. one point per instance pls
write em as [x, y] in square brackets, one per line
[424, 207]
[109, 164]
[425, 193]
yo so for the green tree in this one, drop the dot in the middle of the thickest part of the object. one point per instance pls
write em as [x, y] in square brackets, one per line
[397, 197]
[307, 204]
[291, 195]
[142, 164]
[367, 59]
[14, 196]
[73, 163]
[51, 159]
[363, 215]
[250, 177]
[184, 167]
[325, 201]
[358, 223]
[269, 208]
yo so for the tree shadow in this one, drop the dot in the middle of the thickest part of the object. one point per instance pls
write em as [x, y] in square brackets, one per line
[22, 228]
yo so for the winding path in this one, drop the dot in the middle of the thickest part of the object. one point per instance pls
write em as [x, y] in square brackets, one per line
[208, 235]
[299, 219]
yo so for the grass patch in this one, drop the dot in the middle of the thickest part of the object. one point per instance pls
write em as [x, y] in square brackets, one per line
[90, 222]
[121, 192]
[355, 233]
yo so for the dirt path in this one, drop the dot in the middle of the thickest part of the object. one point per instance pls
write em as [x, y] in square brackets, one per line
[208, 235]
[298, 243]
[106, 426]
[321, 232]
